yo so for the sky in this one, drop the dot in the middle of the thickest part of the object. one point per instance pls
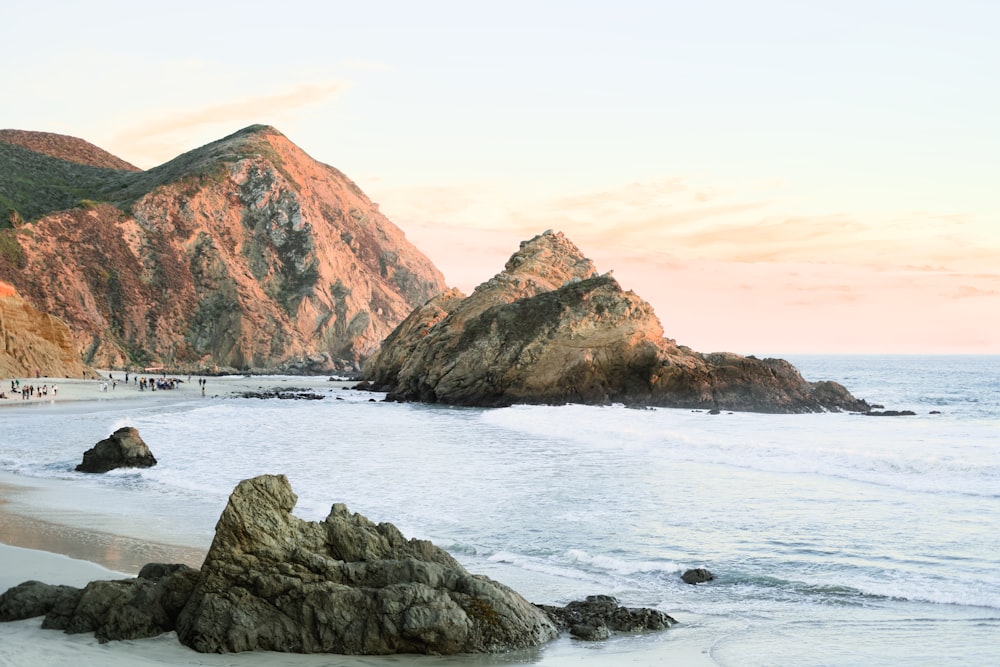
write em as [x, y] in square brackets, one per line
[773, 177]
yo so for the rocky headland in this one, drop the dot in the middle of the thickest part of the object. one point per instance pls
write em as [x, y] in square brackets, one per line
[272, 581]
[550, 329]
[242, 254]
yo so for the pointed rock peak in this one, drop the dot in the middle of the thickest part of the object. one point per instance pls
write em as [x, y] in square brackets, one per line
[253, 134]
[257, 129]
[545, 262]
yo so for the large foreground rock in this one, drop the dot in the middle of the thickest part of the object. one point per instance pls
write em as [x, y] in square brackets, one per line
[275, 582]
[122, 449]
[549, 329]
[272, 581]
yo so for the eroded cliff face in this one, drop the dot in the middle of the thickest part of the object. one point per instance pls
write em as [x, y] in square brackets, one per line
[548, 329]
[245, 253]
[32, 341]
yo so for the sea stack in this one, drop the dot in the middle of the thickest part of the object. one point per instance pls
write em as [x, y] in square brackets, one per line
[550, 329]
[122, 449]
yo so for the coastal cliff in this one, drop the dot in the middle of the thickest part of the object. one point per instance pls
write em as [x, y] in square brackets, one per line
[32, 341]
[550, 329]
[245, 253]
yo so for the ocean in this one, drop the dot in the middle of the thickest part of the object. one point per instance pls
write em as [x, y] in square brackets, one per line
[836, 539]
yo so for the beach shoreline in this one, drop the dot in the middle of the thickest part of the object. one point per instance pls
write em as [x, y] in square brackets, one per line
[63, 547]
[111, 386]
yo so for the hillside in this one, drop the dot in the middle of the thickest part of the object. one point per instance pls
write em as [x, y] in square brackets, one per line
[244, 254]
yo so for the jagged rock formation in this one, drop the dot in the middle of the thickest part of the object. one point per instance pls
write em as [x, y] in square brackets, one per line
[549, 329]
[275, 582]
[245, 253]
[271, 581]
[32, 341]
[122, 449]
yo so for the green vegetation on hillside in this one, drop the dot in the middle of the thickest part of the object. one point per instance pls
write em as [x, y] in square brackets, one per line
[33, 184]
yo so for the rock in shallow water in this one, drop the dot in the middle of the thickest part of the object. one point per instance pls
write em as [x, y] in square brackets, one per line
[698, 575]
[596, 617]
[122, 449]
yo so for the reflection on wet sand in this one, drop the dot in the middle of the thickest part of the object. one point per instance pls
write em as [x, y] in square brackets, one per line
[121, 554]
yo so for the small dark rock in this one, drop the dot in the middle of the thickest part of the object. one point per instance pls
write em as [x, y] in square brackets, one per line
[934, 412]
[715, 411]
[890, 413]
[122, 449]
[697, 575]
[596, 617]
[284, 394]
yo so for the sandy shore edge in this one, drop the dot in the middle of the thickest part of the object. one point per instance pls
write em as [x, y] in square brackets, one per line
[112, 387]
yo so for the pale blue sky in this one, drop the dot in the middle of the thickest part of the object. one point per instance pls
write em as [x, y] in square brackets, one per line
[803, 166]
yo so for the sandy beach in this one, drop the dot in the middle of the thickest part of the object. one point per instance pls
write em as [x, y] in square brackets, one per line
[112, 387]
[66, 548]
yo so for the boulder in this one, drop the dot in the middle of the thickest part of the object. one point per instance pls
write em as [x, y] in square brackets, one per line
[272, 581]
[698, 575]
[598, 616]
[122, 449]
[146, 606]
[33, 598]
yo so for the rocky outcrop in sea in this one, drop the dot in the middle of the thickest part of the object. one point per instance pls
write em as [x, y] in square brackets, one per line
[550, 329]
[122, 449]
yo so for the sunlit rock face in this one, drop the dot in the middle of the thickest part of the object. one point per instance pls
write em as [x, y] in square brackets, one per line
[33, 342]
[245, 253]
[550, 329]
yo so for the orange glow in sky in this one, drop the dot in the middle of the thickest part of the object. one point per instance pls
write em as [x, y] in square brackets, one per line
[773, 177]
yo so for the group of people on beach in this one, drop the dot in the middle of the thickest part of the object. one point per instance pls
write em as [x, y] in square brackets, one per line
[29, 391]
[144, 383]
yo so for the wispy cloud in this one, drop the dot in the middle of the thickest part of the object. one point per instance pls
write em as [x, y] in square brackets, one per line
[153, 136]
